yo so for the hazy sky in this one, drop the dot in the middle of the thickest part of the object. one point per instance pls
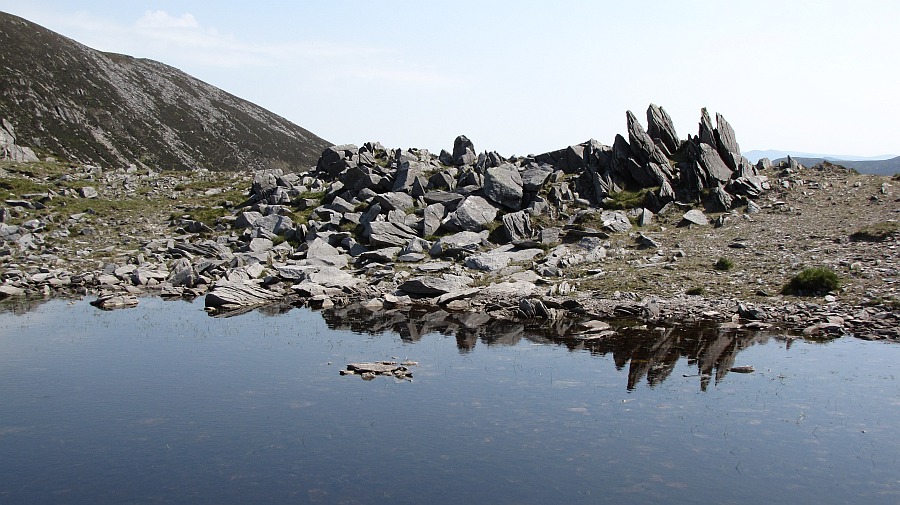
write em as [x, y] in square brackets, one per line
[526, 77]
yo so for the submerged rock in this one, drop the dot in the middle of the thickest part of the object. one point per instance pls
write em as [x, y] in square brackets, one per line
[368, 370]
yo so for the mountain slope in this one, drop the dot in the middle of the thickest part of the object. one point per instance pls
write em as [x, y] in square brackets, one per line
[77, 103]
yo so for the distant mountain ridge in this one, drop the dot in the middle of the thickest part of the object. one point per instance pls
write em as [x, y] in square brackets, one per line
[68, 100]
[774, 154]
[887, 164]
[877, 167]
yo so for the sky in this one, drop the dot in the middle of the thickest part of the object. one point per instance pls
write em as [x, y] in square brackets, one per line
[525, 77]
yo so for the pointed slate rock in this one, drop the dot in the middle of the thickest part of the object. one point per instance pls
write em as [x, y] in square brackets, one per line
[660, 126]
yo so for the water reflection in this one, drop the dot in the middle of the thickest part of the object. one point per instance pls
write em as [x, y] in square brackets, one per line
[648, 352]
[159, 402]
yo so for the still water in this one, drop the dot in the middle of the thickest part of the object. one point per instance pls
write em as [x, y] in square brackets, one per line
[164, 404]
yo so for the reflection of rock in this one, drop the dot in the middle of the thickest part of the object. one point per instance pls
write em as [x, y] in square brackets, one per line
[653, 354]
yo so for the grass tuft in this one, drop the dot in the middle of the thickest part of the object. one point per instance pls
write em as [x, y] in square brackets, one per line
[812, 281]
[724, 264]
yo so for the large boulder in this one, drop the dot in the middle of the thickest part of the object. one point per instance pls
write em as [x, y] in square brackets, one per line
[718, 200]
[534, 176]
[320, 252]
[394, 201]
[387, 234]
[331, 277]
[336, 159]
[615, 221]
[463, 151]
[752, 185]
[183, 274]
[572, 160]
[517, 226]
[274, 223]
[449, 200]
[406, 175]
[247, 219]
[471, 215]
[500, 257]
[434, 286]
[694, 216]
[503, 185]
[432, 217]
[265, 182]
[462, 242]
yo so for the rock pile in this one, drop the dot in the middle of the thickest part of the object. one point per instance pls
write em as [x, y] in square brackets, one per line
[369, 209]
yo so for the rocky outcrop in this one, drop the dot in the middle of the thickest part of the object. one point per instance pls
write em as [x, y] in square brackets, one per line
[461, 212]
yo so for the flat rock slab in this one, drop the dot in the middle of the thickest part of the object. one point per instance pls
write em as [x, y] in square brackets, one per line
[368, 370]
[110, 302]
[499, 258]
[504, 289]
[233, 295]
[331, 277]
[457, 295]
[434, 266]
[11, 291]
[431, 286]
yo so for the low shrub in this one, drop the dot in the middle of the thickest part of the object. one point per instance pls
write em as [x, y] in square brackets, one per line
[812, 281]
[723, 264]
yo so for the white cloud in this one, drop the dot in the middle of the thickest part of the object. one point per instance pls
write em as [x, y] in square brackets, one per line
[403, 74]
[162, 19]
[183, 41]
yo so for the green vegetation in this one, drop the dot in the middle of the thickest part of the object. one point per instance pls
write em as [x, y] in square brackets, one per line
[207, 215]
[314, 195]
[301, 216]
[877, 232]
[627, 199]
[724, 264]
[695, 291]
[811, 281]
